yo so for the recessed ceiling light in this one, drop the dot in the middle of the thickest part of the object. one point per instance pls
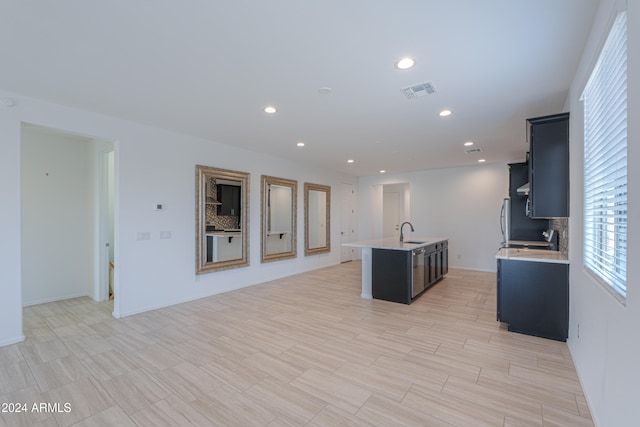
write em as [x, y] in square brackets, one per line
[405, 63]
[468, 143]
[481, 160]
[300, 144]
[325, 90]
[445, 113]
[350, 161]
[383, 171]
[270, 109]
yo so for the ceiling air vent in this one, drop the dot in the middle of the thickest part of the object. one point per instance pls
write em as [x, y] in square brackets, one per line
[417, 91]
[473, 150]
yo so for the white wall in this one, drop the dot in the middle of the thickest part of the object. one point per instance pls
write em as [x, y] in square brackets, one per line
[10, 244]
[152, 165]
[606, 351]
[462, 204]
[57, 244]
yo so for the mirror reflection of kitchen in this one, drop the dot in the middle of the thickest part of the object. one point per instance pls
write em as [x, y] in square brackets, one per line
[223, 230]
[279, 219]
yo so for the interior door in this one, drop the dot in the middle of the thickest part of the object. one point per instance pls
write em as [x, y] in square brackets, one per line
[391, 214]
[347, 221]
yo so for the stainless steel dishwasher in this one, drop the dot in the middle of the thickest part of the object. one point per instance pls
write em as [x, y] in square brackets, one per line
[417, 279]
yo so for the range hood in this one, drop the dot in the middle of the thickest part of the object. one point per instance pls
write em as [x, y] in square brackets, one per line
[523, 190]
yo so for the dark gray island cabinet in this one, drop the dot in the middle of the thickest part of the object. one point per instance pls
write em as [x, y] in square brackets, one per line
[403, 274]
[533, 292]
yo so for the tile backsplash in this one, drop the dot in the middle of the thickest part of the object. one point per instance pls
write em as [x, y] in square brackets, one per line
[561, 225]
[222, 222]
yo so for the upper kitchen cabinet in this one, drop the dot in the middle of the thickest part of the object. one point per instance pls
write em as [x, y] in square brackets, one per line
[229, 196]
[522, 227]
[549, 166]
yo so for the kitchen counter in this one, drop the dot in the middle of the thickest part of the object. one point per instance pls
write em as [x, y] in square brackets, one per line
[395, 244]
[530, 243]
[535, 255]
[223, 233]
[392, 243]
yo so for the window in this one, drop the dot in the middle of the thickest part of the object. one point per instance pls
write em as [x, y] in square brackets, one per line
[605, 162]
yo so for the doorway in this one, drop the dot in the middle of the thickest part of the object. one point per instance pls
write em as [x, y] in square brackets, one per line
[347, 221]
[105, 233]
[391, 214]
[395, 199]
[67, 212]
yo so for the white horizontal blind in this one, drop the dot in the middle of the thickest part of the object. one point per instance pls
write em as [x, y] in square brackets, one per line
[605, 162]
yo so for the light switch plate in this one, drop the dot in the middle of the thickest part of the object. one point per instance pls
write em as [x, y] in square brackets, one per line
[143, 235]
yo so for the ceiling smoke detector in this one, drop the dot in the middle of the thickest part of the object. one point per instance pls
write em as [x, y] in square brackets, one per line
[419, 90]
[473, 150]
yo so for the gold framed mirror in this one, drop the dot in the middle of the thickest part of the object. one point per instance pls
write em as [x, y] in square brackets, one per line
[317, 225]
[278, 218]
[222, 229]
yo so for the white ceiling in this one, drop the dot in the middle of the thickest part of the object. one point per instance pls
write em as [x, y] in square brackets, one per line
[208, 68]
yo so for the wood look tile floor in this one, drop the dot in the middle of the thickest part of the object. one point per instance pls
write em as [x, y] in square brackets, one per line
[303, 350]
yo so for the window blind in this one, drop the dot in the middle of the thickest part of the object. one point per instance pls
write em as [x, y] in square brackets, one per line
[605, 162]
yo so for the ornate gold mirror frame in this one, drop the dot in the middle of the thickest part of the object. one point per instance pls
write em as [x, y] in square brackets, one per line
[222, 229]
[317, 225]
[278, 218]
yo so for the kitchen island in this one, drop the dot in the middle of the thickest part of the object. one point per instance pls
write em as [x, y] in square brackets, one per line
[399, 256]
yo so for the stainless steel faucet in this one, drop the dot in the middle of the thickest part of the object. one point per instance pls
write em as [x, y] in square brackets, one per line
[402, 235]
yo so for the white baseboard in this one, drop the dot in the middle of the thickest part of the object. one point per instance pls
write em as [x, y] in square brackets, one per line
[57, 298]
[12, 341]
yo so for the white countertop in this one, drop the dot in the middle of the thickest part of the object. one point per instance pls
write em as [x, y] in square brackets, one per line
[536, 255]
[529, 243]
[224, 233]
[394, 243]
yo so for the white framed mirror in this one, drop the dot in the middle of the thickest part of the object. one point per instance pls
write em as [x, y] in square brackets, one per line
[317, 226]
[278, 218]
[222, 229]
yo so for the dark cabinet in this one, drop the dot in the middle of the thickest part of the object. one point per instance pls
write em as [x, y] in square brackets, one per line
[549, 166]
[437, 262]
[432, 266]
[210, 243]
[533, 298]
[391, 275]
[443, 250]
[229, 197]
[522, 227]
[400, 276]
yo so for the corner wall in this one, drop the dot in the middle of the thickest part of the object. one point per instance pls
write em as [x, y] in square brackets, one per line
[10, 244]
[603, 334]
[462, 204]
[57, 244]
[152, 165]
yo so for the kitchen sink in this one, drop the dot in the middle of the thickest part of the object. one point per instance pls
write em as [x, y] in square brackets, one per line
[413, 242]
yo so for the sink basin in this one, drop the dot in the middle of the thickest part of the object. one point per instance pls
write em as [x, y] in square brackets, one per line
[413, 242]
